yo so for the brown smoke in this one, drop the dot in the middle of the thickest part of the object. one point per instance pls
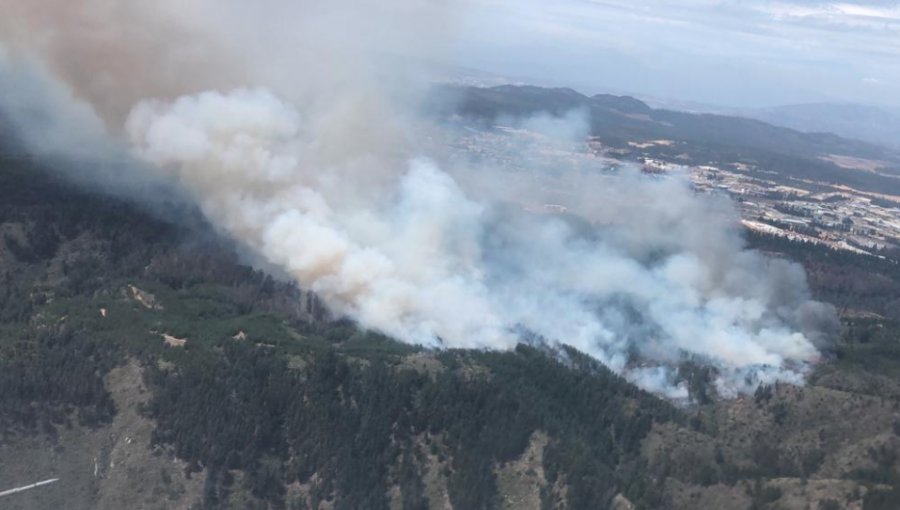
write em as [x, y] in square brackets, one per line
[114, 53]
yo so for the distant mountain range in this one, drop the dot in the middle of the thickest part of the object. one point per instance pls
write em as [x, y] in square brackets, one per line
[872, 124]
[862, 122]
[625, 123]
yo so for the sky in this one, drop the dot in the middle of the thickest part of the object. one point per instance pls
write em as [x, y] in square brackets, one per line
[738, 53]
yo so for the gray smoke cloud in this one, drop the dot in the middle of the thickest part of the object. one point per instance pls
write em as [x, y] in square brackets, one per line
[293, 126]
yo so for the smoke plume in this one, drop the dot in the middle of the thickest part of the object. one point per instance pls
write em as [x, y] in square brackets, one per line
[292, 124]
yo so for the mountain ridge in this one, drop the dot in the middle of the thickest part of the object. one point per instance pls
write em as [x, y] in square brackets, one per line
[623, 125]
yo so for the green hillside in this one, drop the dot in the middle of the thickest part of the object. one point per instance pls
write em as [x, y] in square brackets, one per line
[140, 361]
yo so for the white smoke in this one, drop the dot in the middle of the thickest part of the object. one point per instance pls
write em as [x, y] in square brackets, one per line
[327, 183]
[429, 265]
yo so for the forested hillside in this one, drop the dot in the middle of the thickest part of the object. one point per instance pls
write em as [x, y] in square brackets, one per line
[141, 361]
[257, 390]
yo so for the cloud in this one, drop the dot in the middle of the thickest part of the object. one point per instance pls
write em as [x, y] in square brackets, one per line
[703, 50]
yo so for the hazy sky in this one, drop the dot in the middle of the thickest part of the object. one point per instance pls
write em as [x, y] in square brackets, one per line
[728, 52]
